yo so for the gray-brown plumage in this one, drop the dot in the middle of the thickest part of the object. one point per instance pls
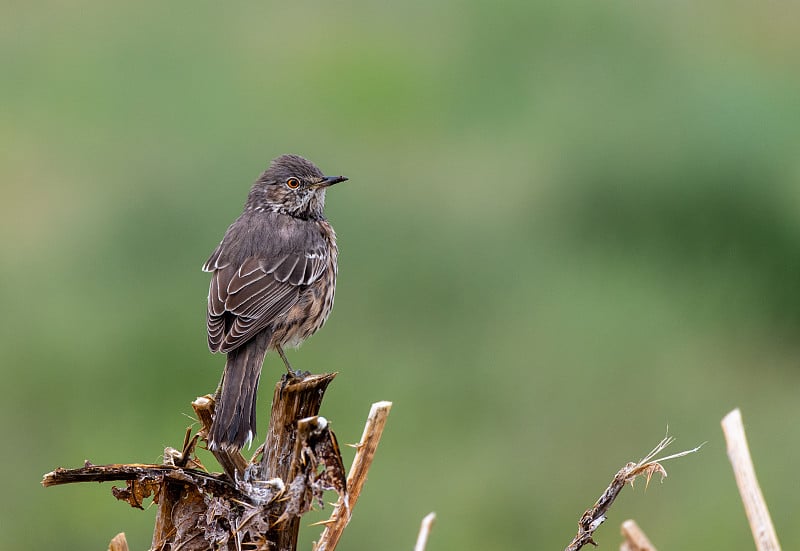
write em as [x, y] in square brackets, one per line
[272, 285]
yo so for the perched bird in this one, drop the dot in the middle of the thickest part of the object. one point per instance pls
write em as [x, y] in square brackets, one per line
[273, 278]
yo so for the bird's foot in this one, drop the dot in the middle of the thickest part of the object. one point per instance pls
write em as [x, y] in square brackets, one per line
[292, 376]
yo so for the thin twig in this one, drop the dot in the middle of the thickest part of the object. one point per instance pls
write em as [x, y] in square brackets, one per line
[754, 504]
[365, 452]
[635, 538]
[425, 531]
[647, 467]
[140, 471]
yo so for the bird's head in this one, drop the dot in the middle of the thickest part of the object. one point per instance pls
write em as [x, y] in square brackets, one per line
[291, 185]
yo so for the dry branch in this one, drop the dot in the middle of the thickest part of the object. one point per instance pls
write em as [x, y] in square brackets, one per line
[596, 515]
[365, 451]
[754, 504]
[142, 474]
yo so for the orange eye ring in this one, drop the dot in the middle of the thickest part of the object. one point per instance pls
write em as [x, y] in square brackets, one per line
[293, 183]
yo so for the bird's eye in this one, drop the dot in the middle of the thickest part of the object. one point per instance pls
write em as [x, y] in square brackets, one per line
[293, 183]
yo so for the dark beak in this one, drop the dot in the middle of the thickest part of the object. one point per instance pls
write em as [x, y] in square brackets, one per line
[330, 180]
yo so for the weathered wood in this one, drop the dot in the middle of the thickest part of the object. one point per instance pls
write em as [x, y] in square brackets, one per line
[141, 472]
[293, 399]
[255, 505]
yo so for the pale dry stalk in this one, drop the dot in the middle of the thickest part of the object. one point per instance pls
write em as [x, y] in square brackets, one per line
[754, 504]
[365, 451]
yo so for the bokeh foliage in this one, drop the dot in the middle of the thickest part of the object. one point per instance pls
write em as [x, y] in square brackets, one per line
[567, 226]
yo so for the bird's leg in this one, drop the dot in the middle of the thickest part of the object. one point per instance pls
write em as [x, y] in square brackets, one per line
[290, 373]
[279, 348]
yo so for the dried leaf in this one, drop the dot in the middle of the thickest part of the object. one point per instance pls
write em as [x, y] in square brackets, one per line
[136, 491]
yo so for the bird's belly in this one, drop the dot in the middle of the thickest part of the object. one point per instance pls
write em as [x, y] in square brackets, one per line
[309, 314]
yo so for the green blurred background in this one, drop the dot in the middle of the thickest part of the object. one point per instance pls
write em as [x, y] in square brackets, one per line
[568, 226]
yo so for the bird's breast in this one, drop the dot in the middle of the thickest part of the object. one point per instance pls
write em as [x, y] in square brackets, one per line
[311, 311]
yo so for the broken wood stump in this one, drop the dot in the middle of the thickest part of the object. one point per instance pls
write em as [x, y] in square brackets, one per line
[255, 504]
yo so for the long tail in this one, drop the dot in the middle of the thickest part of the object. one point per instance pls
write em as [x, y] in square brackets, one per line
[235, 412]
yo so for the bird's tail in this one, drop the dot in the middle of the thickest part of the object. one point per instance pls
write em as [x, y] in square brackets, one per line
[234, 422]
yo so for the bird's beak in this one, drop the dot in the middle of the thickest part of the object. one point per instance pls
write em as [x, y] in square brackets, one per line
[328, 181]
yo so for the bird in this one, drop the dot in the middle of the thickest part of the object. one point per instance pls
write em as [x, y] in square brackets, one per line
[273, 280]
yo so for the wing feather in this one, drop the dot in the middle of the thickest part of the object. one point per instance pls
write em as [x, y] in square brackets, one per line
[284, 270]
[258, 273]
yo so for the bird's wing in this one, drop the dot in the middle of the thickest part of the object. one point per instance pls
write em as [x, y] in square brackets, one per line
[244, 299]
